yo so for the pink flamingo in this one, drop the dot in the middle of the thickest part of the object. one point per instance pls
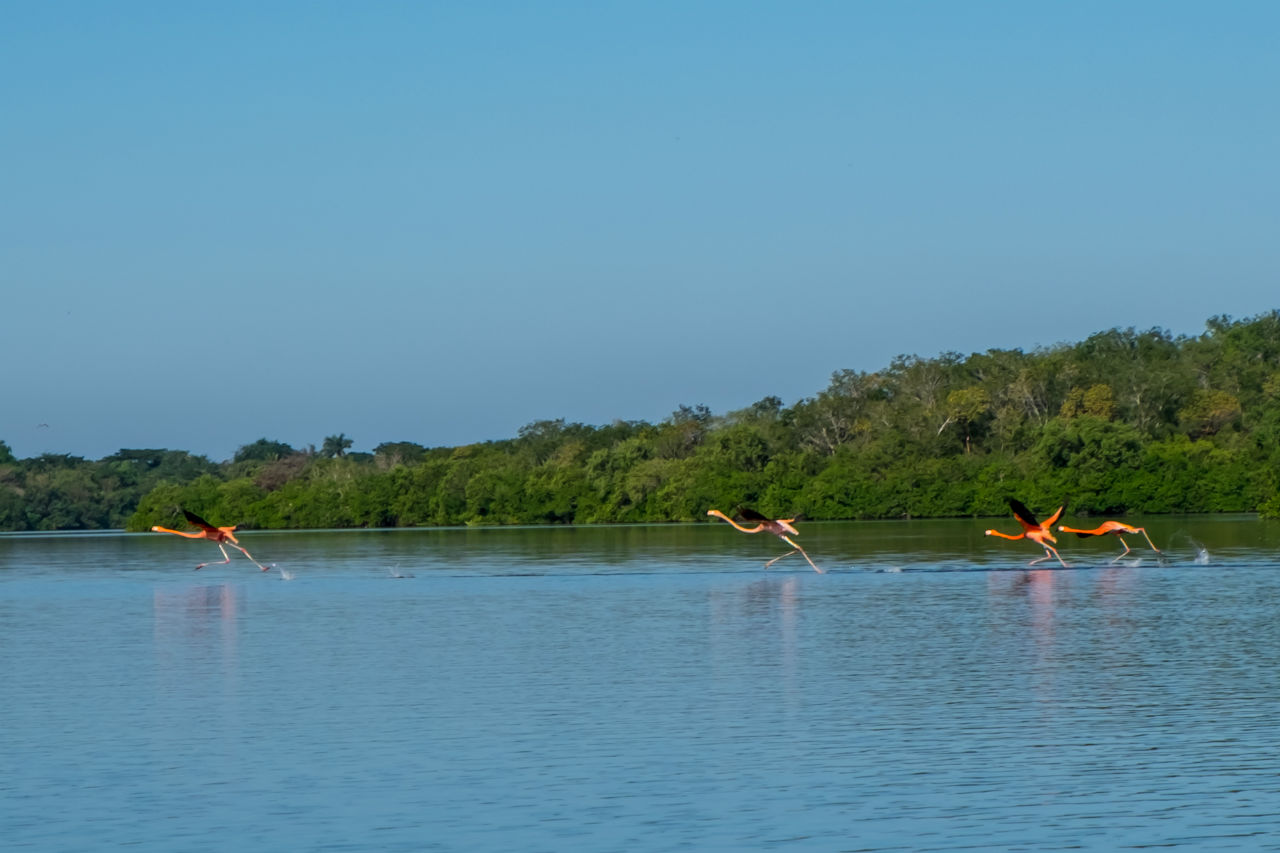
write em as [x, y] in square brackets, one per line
[1038, 532]
[1112, 527]
[217, 535]
[779, 527]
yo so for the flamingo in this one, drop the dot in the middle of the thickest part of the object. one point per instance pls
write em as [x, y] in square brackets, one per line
[217, 535]
[779, 527]
[1039, 532]
[1115, 527]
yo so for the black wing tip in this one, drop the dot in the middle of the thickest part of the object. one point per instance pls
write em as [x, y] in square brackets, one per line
[195, 519]
[1020, 509]
[749, 514]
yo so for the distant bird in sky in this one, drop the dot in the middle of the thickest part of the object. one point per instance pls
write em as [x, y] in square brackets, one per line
[779, 527]
[1112, 527]
[217, 535]
[1039, 532]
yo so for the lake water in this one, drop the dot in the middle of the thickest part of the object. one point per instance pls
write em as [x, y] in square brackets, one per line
[641, 689]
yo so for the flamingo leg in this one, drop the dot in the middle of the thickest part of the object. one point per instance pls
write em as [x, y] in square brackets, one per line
[802, 553]
[1143, 531]
[226, 558]
[780, 556]
[1049, 554]
[1126, 550]
[250, 556]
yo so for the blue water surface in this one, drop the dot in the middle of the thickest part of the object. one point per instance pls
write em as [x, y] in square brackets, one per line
[639, 689]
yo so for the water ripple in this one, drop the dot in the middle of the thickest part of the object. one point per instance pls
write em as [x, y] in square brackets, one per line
[643, 702]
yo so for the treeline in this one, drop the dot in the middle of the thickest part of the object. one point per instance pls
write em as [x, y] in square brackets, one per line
[56, 491]
[1123, 422]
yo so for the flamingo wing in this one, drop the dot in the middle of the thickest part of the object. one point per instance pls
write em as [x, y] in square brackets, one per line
[1024, 516]
[751, 515]
[199, 522]
[1053, 519]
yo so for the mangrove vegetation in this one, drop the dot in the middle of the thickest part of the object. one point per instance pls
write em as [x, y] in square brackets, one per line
[1125, 422]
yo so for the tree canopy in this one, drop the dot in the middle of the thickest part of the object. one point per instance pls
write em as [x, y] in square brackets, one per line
[1125, 421]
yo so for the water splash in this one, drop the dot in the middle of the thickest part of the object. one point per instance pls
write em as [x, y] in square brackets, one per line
[285, 574]
[396, 573]
[1202, 553]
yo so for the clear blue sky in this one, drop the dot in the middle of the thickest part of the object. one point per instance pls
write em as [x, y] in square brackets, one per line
[439, 221]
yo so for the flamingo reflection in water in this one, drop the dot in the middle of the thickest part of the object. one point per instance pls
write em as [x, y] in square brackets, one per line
[1039, 532]
[1113, 528]
[220, 536]
[779, 527]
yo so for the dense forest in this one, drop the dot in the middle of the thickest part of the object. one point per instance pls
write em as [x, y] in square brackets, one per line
[1123, 422]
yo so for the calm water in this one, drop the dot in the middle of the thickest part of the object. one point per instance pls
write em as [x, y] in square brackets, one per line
[641, 689]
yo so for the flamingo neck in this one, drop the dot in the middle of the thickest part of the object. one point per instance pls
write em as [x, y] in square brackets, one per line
[183, 533]
[718, 514]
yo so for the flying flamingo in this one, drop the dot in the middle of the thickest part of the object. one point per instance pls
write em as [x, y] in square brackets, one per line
[1115, 527]
[1039, 532]
[218, 535]
[779, 527]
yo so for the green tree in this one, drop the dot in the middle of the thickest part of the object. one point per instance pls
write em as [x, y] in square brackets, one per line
[1208, 411]
[841, 414]
[1097, 401]
[263, 450]
[391, 454]
[335, 446]
[967, 407]
[1125, 420]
